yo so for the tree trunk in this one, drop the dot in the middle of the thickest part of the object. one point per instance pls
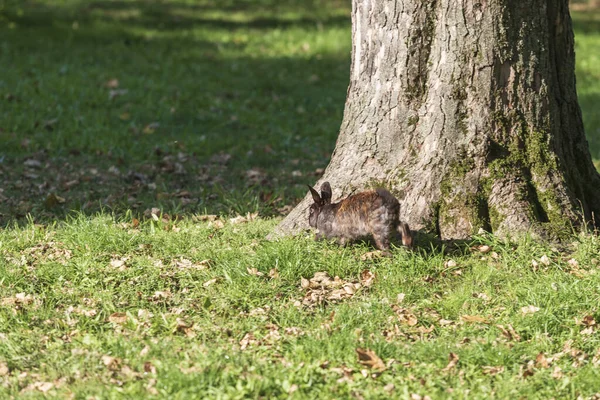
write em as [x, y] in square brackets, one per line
[467, 111]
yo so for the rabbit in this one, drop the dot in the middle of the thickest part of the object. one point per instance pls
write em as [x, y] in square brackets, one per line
[370, 213]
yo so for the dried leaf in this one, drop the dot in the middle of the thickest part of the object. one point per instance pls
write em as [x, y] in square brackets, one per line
[452, 361]
[116, 93]
[188, 264]
[509, 332]
[149, 367]
[527, 370]
[161, 295]
[367, 278]
[545, 260]
[185, 328]
[218, 224]
[541, 361]
[247, 340]
[144, 314]
[144, 351]
[221, 158]
[118, 318]
[253, 271]
[557, 373]
[368, 358]
[43, 387]
[112, 363]
[482, 296]
[529, 309]
[371, 255]
[588, 320]
[240, 219]
[489, 370]
[3, 369]
[423, 330]
[151, 128]
[119, 263]
[484, 248]
[32, 163]
[471, 319]
[112, 83]
[587, 331]
[450, 264]
[207, 217]
[20, 299]
[405, 316]
[210, 282]
[52, 200]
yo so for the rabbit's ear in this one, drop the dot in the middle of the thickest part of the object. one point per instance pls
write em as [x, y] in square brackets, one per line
[315, 196]
[326, 192]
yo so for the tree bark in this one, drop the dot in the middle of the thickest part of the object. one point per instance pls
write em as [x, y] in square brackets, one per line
[467, 111]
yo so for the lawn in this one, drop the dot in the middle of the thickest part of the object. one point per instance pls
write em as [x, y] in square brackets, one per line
[148, 147]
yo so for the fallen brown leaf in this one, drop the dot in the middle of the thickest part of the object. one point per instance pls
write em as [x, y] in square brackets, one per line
[368, 358]
[541, 361]
[149, 367]
[112, 363]
[527, 370]
[240, 219]
[210, 282]
[489, 370]
[116, 93]
[161, 295]
[371, 255]
[484, 248]
[474, 319]
[509, 332]
[53, 200]
[557, 373]
[247, 340]
[529, 310]
[112, 83]
[185, 328]
[3, 369]
[254, 271]
[452, 362]
[151, 128]
[405, 316]
[367, 278]
[588, 320]
[118, 318]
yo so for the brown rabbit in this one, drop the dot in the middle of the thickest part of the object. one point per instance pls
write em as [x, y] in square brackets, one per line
[371, 213]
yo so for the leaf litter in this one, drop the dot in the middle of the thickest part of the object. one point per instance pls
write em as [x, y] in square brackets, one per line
[322, 288]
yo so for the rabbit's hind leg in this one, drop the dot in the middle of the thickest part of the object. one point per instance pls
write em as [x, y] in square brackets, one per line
[382, 240]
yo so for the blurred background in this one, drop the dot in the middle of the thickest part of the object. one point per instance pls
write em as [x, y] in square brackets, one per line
[206, 106]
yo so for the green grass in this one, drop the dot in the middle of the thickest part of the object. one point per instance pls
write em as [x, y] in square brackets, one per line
[264, 83]
[108, 301]
[64, 329]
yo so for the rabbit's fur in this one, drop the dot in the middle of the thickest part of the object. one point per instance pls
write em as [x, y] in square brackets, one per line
[371, 213]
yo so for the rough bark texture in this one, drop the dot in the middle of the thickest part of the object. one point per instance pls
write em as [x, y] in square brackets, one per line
[467, 111]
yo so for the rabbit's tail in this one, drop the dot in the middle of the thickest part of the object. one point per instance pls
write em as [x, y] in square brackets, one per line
[406, 233]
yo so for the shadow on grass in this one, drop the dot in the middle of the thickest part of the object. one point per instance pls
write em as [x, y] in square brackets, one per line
[201, 121]
[178, 15]
[101, 115]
